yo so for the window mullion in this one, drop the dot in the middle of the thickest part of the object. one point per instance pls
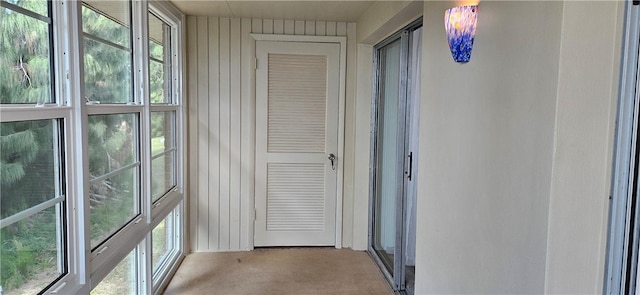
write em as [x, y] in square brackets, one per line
[141, 66]
[77, 147]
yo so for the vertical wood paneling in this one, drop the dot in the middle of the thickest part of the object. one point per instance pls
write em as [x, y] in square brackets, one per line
[321, 28]
[267, 26]
[331, 28]
[256, 26]
[278, 26]
[234, 171]
[225, 121]
[310, 28]
[192, 100]
[248, 136]
[203, 133]
[341, 29]
[214, 131]
[289, 27]
[221, 104]
[299, 27]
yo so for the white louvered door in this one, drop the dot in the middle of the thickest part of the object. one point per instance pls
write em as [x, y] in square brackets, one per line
[297, 90]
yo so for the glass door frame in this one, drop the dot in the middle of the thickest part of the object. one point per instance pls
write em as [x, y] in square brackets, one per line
[623, 241]
[397, 278]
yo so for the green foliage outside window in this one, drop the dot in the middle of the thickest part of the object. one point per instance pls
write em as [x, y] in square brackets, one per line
[28, 253]
[26, 152]
[25, 69]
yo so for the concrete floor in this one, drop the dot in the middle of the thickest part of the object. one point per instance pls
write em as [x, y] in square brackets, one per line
[279, 271]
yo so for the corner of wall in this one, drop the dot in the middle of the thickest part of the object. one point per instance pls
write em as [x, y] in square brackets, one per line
[385, 18]
[362, 147]
[584, 132]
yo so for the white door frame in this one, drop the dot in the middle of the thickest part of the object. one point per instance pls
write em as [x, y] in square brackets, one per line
[342, 41]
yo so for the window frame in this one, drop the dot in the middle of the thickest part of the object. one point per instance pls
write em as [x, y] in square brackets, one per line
[58, 202]
[108, 253]
[58, 110]
[136, 98]
[86, 268]
[172, 201]
[152, 213]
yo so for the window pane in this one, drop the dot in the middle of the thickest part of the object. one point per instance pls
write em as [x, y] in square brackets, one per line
[113, 202]
[112, 142]
[107, 52]
[32, 253]
[107, 75]
[37, 6]
[108, 20]
[25, 59]
[27, 157]
[162, 175]
[163, 241]
[157, 82]
[113, 188]
[160, 60]
[162, 131]
[121, 280]
[163, 165]
[387, 155]
[31, 249]
[156, 37]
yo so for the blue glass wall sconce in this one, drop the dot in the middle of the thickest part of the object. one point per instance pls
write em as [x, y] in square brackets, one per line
[460, 25]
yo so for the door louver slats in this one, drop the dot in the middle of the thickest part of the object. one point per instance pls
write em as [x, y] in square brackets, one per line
[295, 197]
[297, 103]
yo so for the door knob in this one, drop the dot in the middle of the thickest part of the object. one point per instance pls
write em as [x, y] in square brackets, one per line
[332, 158]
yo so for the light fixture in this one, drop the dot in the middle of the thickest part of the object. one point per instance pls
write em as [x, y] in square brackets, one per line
[460, 24]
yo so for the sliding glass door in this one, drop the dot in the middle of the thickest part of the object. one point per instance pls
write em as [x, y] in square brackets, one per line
[392, 155]
[390, 150]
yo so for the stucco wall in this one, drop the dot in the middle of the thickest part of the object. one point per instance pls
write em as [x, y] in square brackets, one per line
[486, 150]
[516, 149]
[585, 114]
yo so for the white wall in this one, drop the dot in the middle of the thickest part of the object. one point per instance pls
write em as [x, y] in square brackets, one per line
[486, 147]
[585, 114]
[515, 150]
[221, 102]
[362, 148]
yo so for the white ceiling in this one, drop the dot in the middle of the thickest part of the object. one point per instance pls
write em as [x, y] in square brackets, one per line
[292, 9]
